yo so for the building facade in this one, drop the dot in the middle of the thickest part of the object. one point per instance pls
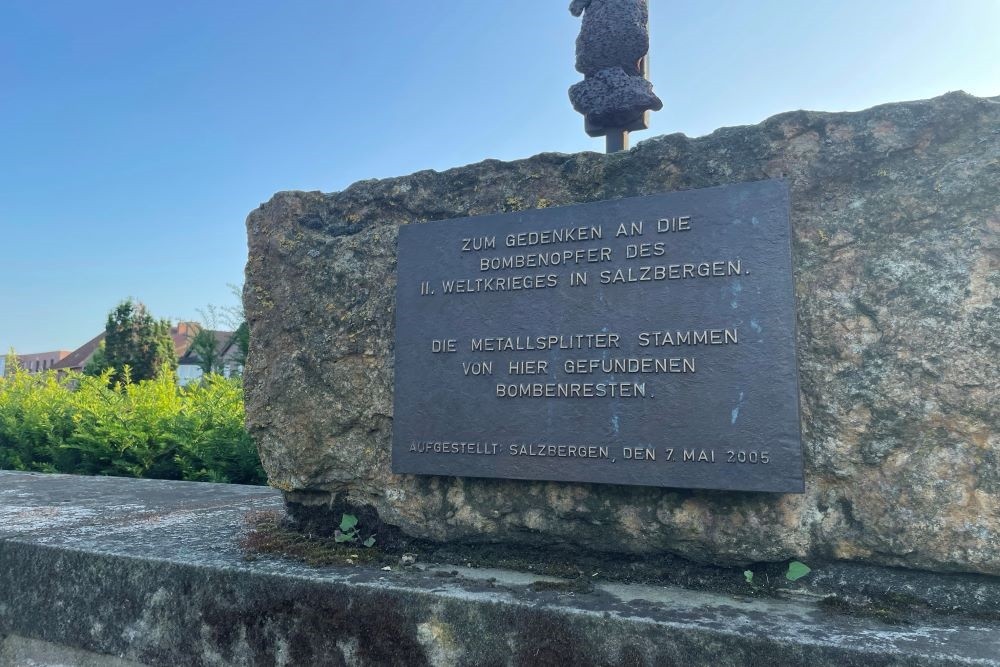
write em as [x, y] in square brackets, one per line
[38, 362]
[188, 369]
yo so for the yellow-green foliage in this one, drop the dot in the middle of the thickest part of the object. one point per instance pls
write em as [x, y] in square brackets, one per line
[87, 425]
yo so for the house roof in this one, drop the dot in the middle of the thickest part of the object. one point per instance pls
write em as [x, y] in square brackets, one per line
[182, 335]
[78, 357]
[223, 341]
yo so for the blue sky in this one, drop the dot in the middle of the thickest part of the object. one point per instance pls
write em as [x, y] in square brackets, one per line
[136, 136]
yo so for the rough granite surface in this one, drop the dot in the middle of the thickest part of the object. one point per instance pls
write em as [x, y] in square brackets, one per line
[896, 253]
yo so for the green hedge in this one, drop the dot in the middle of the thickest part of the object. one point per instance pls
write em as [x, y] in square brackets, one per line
[154, 428]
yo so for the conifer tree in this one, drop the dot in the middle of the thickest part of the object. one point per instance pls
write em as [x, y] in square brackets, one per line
[134, 338]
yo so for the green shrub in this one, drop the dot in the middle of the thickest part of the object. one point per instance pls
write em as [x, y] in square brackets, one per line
[89, 425]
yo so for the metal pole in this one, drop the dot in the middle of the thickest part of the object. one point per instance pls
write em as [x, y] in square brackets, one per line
[616, 140]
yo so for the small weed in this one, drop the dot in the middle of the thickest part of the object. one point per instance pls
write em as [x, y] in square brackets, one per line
[266, 535]
[797, 570]
[348, 532]
[757, 586]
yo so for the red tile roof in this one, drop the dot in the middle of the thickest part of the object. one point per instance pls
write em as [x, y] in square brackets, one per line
[76, 359]
[182, 335]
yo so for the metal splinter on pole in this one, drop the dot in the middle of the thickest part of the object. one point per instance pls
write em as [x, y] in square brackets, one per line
[615, 96]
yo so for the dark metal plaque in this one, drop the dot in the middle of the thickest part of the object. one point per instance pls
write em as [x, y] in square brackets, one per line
[639, 341]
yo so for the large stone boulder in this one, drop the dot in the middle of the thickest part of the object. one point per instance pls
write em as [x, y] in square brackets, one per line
[896, 218]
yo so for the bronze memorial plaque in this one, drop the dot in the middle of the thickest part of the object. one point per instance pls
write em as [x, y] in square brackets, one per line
[646, 341]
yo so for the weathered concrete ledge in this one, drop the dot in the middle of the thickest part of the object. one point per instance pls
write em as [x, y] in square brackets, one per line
[122, 572]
